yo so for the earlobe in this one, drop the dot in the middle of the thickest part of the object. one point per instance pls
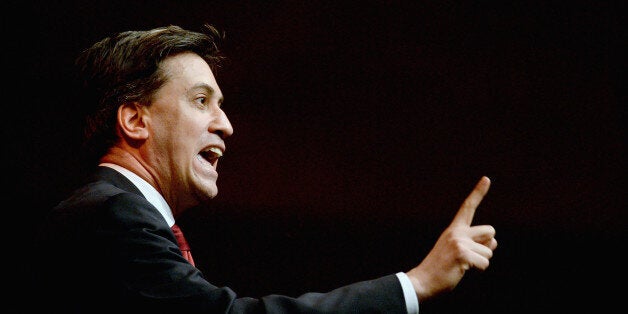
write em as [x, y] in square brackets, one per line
[131, 121]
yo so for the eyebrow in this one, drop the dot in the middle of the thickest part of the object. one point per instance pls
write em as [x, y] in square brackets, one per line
[209, 90]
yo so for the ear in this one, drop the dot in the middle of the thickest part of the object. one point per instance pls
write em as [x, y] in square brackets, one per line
[131, 121]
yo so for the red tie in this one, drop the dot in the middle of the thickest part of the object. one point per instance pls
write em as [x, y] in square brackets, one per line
[183, 244]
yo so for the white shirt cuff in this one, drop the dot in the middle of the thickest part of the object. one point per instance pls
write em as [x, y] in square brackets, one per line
[412, 302]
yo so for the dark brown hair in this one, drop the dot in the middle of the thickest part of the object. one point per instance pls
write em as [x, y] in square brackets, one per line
[124, 68]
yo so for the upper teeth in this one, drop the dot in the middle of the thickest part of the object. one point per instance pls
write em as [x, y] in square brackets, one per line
[216, 151]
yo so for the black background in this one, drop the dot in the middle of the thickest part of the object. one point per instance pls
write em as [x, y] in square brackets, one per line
[360, 126]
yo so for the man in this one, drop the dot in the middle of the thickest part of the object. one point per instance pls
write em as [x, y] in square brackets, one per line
[158, 132]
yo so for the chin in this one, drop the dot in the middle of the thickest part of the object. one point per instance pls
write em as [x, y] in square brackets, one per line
[205, 193]
[211, 192]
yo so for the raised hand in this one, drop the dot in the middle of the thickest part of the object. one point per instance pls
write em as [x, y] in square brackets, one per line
[459, 248]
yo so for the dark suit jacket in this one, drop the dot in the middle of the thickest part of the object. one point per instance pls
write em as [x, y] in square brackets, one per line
[110, 249]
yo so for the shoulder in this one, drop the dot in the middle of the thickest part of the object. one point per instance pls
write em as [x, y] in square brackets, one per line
[106, 196]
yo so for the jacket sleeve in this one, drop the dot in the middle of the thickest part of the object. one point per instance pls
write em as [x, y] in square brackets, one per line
[131, 261]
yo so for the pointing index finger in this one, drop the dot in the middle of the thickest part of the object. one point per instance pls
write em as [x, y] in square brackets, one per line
[467, 209]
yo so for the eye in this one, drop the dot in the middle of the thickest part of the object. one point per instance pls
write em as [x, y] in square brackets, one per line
[202, 100]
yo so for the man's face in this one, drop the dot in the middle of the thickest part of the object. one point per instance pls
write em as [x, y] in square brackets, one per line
[187, 128]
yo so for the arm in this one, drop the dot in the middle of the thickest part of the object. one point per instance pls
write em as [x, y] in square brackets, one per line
[155, 276]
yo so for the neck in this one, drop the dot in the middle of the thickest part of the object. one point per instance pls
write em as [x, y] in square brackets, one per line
[128, 160]
[132, 160]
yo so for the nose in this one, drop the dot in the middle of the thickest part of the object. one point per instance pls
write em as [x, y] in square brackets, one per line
[221, 124]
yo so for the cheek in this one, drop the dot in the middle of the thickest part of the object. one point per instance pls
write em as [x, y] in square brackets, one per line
[182, 131]
[191, 136]
[195, 127]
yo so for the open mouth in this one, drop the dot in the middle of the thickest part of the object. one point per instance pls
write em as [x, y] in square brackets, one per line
[212, 155]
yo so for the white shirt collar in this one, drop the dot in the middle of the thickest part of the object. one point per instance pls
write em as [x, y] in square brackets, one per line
[149, 192]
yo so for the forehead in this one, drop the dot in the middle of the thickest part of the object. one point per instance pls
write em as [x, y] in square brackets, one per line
[188, 69]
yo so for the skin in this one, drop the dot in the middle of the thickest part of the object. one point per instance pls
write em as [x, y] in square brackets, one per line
[459, 248]
[162, 143]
